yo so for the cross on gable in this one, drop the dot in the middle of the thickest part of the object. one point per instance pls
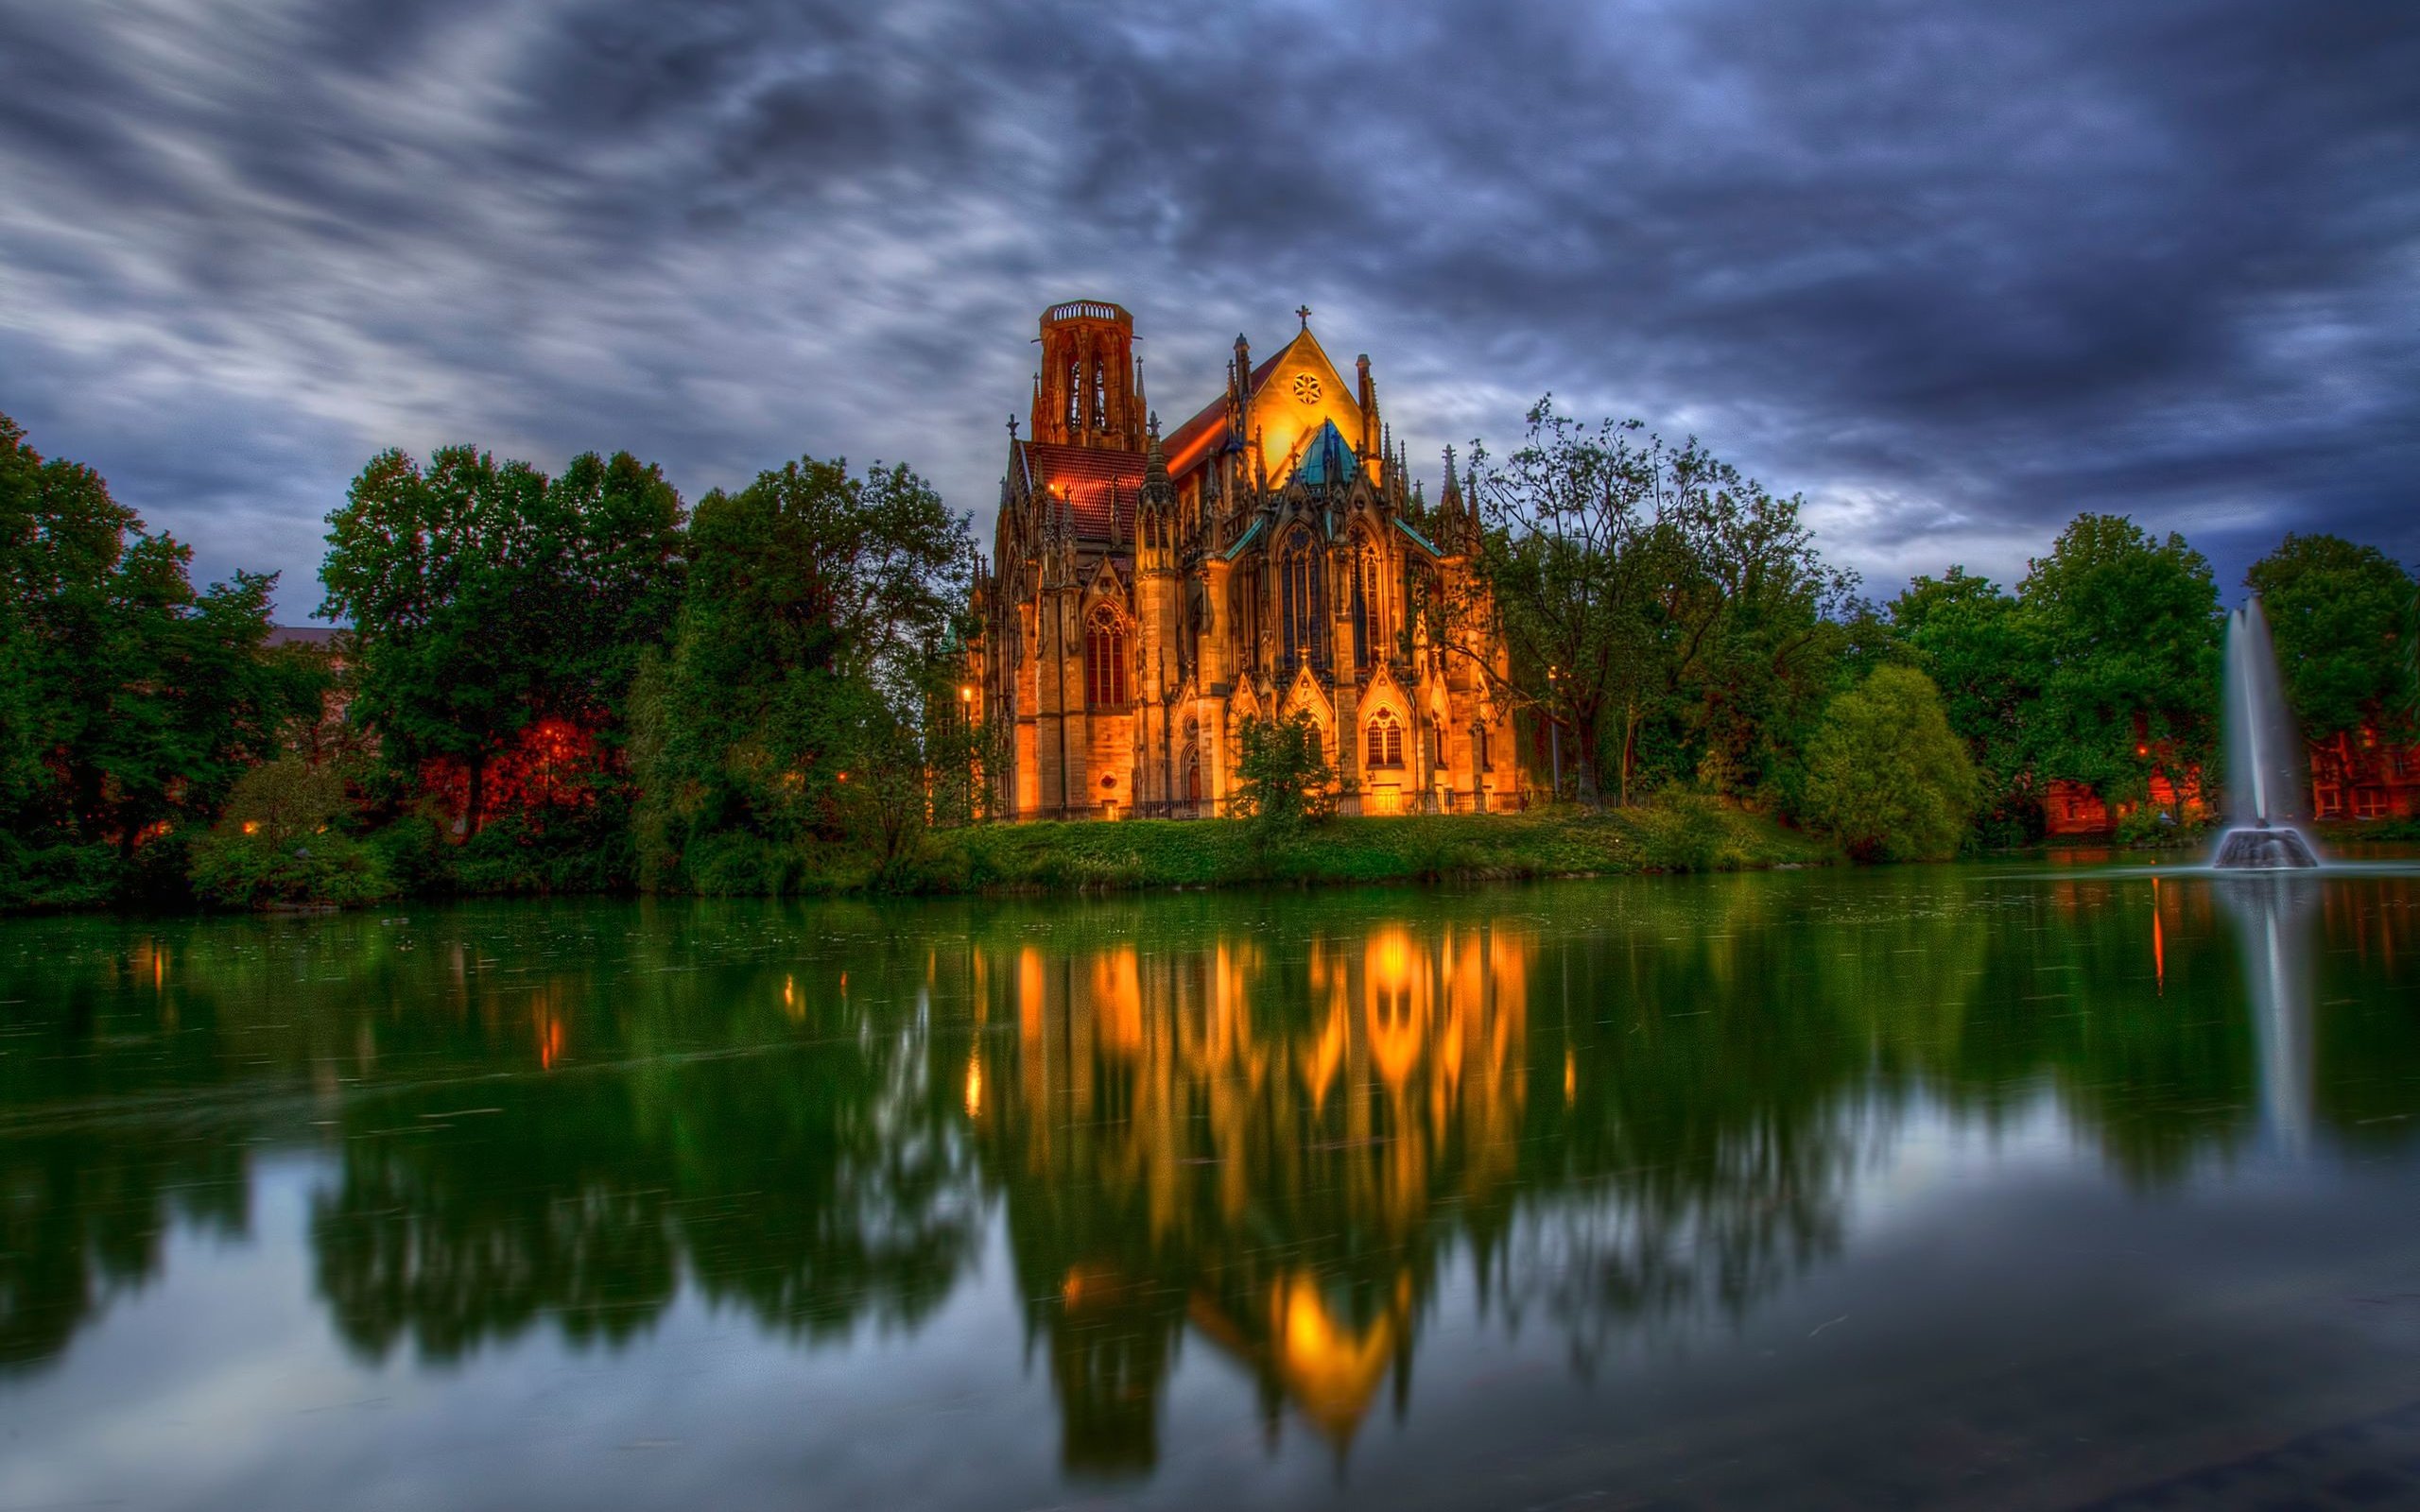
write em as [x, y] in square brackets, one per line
[1306, 312]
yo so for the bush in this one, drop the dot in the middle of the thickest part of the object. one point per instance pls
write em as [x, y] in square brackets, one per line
[1693, 832]
[1282, 774]
[564, 850]
[2151, 829]
[286, 797]
[280, 842]
[414, 852]
[59, 876]
[233, 869]
[1885, 777]
[160, 873]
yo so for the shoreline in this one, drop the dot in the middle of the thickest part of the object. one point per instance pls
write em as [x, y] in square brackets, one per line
[1057, 858]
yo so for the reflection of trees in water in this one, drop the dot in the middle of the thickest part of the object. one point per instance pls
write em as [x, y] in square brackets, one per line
[1717, 1086]
[814, 1182]
[2365, 1042]
[1205, 1119]
[89, 1190]
[85, 1217]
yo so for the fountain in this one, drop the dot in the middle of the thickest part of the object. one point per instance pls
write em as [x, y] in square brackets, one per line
[2264, 757]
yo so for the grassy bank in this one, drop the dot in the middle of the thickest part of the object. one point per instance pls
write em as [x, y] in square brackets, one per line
[1674, 835]
[410, 859]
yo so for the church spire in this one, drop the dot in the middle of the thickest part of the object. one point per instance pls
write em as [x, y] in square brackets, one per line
[1454, 520]
[1155, 461]
[1155, 510]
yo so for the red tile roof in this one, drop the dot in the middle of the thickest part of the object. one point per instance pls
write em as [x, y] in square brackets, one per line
[1194, 440]
[1090, 481]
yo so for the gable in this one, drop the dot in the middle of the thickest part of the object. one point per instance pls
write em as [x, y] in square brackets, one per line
[1302, 393]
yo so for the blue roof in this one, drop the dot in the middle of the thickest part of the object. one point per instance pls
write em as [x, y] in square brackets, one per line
[1250, 533]
[1425, 544]
[1328, 459]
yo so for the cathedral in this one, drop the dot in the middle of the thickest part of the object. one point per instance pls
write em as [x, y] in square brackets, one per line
[1147, 594]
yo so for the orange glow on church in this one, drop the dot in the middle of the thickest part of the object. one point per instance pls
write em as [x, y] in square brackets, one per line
[1390, 1071]
[1271, 554]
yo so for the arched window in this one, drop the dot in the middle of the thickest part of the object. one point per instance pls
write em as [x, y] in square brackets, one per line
[1302, 592]
[1100, 394]
[1384, 739]
[1244, 611]
[1369, 606]
[1075, 396]
[1104, 659]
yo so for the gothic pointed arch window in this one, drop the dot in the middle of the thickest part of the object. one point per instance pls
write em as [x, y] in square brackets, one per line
[1244, 611]
[1075, 397]
[1302, 583]
[1105, 659]
[1385, 740]
[1367, 605]
[1100, 394]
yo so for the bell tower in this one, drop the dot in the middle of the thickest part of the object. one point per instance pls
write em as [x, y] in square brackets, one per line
[1088, 392]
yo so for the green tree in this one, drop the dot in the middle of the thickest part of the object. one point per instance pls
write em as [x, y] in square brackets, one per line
[2125, 629]
[820, 609]
[1283, 776]
[1653, 599]
[1967, 635]
[128, 700]
[1886, 776]
[2342, 616]
[484, 598]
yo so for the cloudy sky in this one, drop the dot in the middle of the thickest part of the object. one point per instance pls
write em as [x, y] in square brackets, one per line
[1954, 270]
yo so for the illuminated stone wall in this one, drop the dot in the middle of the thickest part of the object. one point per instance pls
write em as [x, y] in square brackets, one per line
[1270, 556]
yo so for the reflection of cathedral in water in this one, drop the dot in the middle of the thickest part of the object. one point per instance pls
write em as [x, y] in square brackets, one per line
[1256, 1152]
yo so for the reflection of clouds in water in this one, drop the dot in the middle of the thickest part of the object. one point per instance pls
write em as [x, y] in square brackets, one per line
[1299, 1139]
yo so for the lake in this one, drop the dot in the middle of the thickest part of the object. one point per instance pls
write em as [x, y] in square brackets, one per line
[2019, 1184]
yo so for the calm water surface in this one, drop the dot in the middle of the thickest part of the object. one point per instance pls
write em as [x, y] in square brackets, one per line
[1962, 1187]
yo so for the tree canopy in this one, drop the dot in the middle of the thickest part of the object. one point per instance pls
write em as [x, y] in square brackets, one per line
[129, 701]
[1669, 613]
[2101, 669]
[2127, 631]
[2342, 617]
[822, 612]
[1886, 776]
[485, 598]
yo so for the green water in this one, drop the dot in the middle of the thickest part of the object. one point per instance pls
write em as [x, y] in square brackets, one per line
[1976, 1186]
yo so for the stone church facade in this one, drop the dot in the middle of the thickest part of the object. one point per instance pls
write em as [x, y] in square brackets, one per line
[1147, 594]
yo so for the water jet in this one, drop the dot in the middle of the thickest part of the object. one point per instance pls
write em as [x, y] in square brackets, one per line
[2264, 757]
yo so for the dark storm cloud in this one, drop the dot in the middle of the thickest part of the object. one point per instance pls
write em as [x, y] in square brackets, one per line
[1954, 270]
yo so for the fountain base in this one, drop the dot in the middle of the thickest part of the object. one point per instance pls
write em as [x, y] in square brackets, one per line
[2262, 849]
